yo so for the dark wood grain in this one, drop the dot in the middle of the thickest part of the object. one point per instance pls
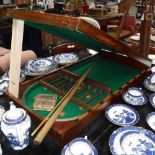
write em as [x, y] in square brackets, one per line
[81, 26]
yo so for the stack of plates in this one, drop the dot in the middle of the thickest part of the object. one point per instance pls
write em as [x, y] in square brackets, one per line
[122, 115]
[134, 96]
[4, 80]
[148, 85]
[132, 141]
[40, 66]
[66, 58]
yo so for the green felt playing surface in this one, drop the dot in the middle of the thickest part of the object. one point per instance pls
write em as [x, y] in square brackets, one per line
[106, 72]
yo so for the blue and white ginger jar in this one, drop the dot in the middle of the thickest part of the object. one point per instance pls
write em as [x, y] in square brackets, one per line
[15, 125]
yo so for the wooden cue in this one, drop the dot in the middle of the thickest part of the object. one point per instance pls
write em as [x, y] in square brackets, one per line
[40, 136]
[50, 113]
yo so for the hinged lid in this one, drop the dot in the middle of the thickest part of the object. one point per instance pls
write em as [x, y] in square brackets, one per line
[14, 115]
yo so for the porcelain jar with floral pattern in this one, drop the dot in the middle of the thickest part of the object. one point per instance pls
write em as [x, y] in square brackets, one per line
[15, 125]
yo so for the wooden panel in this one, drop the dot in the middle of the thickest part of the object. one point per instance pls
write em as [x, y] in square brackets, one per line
[49, 19]
[81, 26]
[15, 60]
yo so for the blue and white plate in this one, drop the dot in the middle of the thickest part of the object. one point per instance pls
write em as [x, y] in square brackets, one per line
[138, 142]
[150, 119]
[152, 78]
[79, 146]
[66, 58]
[32, 67]
[135, 91]
[152, 99]
[39, 65]
[22, 75]
[4, 80]
[114, 141]
[148, 85]
[116, 145]
[133, 100]
[122, 115]
[42, 63]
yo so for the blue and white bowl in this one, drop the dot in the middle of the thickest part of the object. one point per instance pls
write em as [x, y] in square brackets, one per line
[40, 66]
[135, 92]
[150, 119]
[122, 115]
[4, 80]
[134, 96]
[138, 142]
[132, 140]
[151, 78]
[148, 85]
[152, 99]
[79, 146]
[66, 58]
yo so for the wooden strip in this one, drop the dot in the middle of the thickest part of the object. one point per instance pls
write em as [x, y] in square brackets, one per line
[39, 138]
[44, 18]
[62, 93]
[109, 41]
[15, 60]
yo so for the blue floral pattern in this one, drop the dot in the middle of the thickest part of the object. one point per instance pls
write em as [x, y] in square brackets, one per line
[122, 115]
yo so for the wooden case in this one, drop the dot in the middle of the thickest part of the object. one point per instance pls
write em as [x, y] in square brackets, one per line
[117, 62]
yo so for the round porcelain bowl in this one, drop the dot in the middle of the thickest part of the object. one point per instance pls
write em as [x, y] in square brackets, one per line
[79, 146]
[150, 119]
[135, 92]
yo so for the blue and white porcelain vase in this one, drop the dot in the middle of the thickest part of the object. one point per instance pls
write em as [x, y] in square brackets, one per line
[15, 125]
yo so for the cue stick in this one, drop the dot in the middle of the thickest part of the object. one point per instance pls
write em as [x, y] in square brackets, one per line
[40, 136]
[50, 113]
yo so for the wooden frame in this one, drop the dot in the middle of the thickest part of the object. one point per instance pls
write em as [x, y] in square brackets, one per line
[63, 132]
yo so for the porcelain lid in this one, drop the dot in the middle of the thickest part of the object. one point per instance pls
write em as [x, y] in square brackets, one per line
[14, 115]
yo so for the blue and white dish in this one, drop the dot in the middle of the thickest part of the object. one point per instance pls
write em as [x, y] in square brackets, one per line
[4, 80]
[152, 78]
[40, 67]
[152, 99]
[50, 58]
[3, 86]
[148, 85]
[22, 75]
[115, 141]
[135, 92]
[79, 146]
[42, 64]
[66, 58]
[134, 96]
[138, 142]
[150, 119]
[2, 111]
[122, 115]
[153, 69]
